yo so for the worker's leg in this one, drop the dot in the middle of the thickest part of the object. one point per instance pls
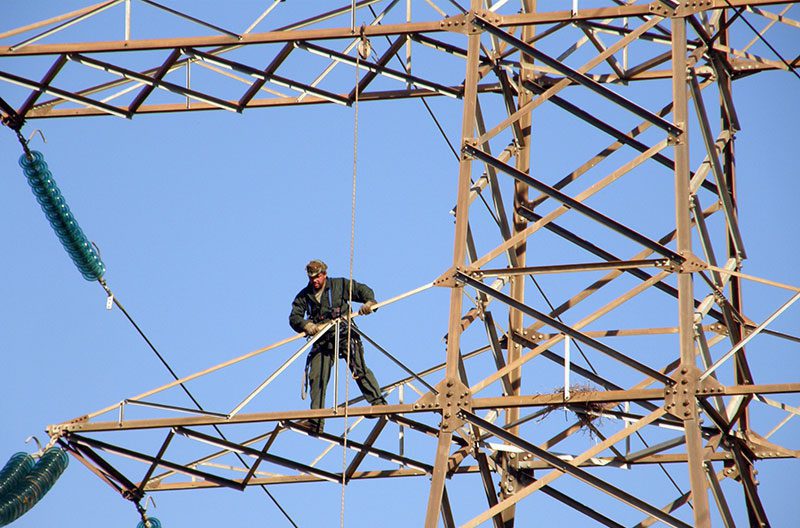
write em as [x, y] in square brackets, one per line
[364, 377]
[319, 372]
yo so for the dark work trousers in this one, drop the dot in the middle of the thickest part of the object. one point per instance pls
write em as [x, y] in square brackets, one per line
[319, 364]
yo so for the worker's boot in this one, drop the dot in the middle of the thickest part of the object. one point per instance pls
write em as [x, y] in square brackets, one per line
[312, 426]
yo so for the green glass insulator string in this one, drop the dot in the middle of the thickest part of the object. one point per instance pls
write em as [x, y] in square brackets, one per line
[61, 219]
[19, 465]
[27, 491]
[151, 522]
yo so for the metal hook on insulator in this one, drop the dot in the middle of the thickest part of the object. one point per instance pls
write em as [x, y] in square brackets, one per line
[38, 444]
[151, 500]
[39, 130]
[147, 522]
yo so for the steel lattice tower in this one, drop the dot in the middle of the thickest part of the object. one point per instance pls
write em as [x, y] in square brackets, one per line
[655, 80]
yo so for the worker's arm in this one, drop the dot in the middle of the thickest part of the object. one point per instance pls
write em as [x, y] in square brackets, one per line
[361, 292]
[297, 318]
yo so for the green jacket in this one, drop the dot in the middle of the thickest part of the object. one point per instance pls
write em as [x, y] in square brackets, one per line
[334, 295]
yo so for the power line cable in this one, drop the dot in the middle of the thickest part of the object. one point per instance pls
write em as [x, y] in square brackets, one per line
[186, 390]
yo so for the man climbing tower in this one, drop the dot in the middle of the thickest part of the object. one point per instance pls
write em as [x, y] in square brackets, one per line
[323, 300]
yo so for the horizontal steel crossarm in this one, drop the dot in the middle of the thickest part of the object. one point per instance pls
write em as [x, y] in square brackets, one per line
[260, 74]
[575, 334]
[546, 400]
[578, 77]
[63, 94]
[618, 462]
[621, 11]
[620, 332]
[71, 428]
[268, 457]
[156, 423]
[572, 470]
[566, 268]
[379, 69]
[83, 441]
[303, 479]
[595, 462]
[42, 112]
[271, 37]
[158, 83]
[291, 34]
[573, 203]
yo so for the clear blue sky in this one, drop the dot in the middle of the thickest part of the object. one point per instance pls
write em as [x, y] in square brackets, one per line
[205, 221]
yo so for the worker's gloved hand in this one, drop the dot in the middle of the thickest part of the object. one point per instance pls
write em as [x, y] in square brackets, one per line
[367, 308]
[311, 328]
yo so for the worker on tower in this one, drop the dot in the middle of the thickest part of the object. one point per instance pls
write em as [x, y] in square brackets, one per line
[322, 300]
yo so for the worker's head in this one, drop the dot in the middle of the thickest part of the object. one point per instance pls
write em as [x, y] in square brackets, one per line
[317, 273]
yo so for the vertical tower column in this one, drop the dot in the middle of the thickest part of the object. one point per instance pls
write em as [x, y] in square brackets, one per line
[517, 282]
[688, 370]
[459, 255]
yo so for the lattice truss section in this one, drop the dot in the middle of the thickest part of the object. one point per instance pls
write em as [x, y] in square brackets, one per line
[605, 288]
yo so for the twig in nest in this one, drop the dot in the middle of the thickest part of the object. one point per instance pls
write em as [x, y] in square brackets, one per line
[585, 411]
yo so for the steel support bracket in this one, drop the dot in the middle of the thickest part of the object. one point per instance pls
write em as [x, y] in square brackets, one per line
[672, 8]
[532, 336]
[719, 329]
[679, 139]
[692, 264]
[669, 265]
[525, 460]
[509, 465]
[59, 429]
[731, 471]
[468, 142]
[763, 448]
[679, 399]
[709, 387]
[452, 396]
[463, 23]
[448, 279]
[459, 24]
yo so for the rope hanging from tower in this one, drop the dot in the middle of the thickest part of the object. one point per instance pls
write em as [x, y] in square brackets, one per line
[363, 51]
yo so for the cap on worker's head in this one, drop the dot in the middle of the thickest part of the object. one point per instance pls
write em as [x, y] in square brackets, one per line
[315, 267]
